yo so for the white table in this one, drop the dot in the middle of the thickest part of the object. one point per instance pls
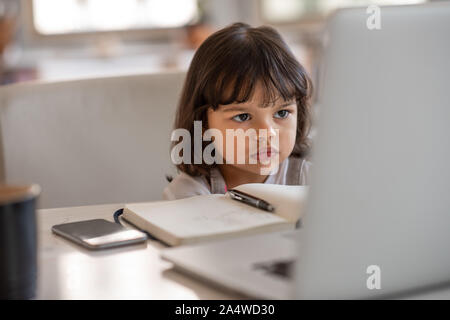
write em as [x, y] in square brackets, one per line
[68, 271]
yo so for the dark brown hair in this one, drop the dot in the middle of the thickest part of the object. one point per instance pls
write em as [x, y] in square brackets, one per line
[227, 67]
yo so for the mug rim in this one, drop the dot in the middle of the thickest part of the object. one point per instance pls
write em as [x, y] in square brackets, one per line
[25, 192]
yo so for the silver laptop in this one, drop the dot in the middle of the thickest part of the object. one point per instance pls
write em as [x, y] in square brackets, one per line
[377, 223]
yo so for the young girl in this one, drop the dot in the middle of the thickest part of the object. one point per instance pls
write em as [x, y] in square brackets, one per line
[245, 78]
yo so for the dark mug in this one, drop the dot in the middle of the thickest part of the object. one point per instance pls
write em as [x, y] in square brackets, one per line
[18, 241]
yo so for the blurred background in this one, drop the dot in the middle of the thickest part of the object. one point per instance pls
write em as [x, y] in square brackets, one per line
[53, 40]
[93, 123]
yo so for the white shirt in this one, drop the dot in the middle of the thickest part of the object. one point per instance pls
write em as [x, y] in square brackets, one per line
[292, 171]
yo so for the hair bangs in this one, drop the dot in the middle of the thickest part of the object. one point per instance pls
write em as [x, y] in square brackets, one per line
[236, 81]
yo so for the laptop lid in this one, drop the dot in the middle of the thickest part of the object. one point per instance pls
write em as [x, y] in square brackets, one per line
[378, 218]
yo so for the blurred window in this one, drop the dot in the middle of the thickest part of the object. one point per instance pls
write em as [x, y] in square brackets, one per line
[78, 16]
[285, 11]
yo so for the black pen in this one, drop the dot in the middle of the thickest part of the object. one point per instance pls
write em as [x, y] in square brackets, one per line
[251, 200]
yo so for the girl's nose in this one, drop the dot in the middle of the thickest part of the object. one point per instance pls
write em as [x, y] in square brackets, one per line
[266, 130]
[268, 125]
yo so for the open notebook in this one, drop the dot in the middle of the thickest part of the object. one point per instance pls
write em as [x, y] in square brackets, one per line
[217, 216]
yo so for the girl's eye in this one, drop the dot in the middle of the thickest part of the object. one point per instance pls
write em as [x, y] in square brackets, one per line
[241, 117]
[282, 114]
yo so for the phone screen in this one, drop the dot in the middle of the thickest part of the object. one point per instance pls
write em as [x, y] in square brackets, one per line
[98, 233]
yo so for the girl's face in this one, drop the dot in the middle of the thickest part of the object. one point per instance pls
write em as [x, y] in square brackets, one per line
[270, 147]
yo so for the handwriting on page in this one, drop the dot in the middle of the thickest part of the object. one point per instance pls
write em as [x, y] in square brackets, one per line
[236, 217]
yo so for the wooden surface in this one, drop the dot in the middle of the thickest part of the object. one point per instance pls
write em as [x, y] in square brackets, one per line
[68, 271]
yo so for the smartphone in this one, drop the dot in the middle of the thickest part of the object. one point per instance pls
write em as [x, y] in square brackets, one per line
[99, 234]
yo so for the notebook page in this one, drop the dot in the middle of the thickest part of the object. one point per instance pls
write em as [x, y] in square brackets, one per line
[289, 201]
[203, 215]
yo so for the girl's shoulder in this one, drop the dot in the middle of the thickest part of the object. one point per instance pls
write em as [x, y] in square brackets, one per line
[185, 186]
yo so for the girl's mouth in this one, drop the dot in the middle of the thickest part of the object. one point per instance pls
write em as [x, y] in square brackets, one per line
[265, 154]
